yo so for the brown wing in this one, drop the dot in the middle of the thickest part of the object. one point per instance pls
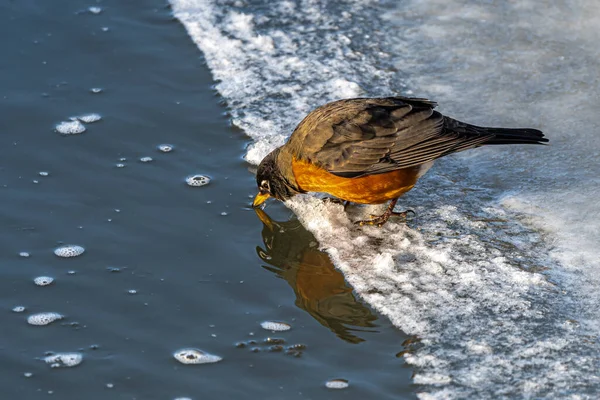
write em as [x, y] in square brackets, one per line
[368, 136]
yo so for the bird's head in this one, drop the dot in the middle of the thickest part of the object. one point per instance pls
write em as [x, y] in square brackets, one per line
[271, 181]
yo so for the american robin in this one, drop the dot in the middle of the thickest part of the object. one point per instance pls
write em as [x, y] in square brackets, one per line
[370, 151]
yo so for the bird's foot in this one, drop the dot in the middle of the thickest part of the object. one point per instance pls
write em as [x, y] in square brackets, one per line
[379, 220]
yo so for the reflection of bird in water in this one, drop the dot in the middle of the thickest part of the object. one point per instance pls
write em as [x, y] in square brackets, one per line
[293, 254]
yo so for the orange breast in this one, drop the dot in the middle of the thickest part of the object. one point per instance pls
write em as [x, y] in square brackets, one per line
[370, 189]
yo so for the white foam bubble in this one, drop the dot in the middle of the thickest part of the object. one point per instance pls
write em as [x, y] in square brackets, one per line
[195, 356]
[24, 254]
[337, 384]
[69, 251]
[18, 309]
[146, 159]
[45, 318]
[276, 326]
[43, 173]
[64, 360]
[43, 280]
[197, 180]
[96, 90]
[70, 128]
[89, 118]
[165, 148]
[95, 10]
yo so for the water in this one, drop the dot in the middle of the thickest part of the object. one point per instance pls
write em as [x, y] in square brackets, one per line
[162, 269]
[497, 279]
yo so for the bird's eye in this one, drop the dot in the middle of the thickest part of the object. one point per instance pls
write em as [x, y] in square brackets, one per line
[264, 185]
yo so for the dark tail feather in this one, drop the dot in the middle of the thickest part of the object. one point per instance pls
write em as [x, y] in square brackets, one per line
[497, 135]
[515, 136]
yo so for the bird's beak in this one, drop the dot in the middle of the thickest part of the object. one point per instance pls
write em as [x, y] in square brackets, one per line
[260, 198]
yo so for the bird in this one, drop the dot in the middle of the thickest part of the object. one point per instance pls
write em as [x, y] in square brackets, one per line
[371, 151]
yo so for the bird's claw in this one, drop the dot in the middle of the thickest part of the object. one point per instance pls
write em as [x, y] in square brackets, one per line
[380, 220]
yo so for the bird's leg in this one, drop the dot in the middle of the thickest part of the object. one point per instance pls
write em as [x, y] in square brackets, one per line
[379, 220]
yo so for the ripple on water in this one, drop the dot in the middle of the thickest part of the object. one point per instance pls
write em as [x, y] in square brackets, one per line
[276, 326]
[195, 356]
[64, 360]
[45, 318]
[70, 250]
[337, 384]
[70, 127]
[197, 180]
[43, 280]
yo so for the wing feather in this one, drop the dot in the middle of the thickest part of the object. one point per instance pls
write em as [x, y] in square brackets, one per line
[359, 137]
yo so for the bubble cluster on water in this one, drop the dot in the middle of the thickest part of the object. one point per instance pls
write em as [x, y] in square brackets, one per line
[272, 345]
[195, 356]
[70, 128]
[166, 148]
[197, 180]
[96, 90]
[45, 318]
[120, 165]
[146, 159]
[95, 10]
[24, 254]
[27, 374]
[275, 326]
[64, 360]
[337, 384]
[43, 173]
[43, 280]
[18, 309]
[89, 118]
[69, 251]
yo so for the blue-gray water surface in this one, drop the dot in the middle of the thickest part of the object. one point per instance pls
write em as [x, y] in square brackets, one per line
[166, 266]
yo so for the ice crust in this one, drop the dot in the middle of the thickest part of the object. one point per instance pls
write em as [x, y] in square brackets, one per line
[498, 278]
